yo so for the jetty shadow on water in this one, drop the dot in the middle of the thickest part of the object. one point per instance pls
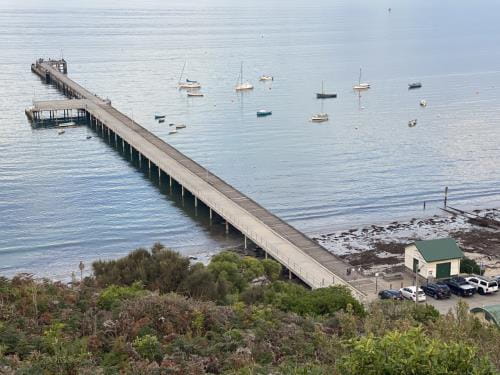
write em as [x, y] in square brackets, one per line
[181, 198]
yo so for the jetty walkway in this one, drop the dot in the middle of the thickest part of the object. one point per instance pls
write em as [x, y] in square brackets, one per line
[299, 254]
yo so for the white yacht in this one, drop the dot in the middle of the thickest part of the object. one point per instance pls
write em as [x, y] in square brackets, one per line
[361, 86]
[243, 85]
[320, 117]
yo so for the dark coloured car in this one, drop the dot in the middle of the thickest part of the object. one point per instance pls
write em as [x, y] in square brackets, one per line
[390, 294]
[459, 286]
[437, 291]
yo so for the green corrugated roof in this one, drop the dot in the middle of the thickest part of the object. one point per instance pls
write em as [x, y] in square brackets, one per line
[441, 249]
[493, 311]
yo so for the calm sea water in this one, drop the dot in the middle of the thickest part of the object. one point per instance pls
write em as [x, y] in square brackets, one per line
[64, 198]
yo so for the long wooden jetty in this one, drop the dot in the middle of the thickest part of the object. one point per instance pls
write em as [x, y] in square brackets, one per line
[299, 254]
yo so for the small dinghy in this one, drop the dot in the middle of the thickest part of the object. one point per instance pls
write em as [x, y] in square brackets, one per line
[173, 131]
[412, 123]
[414, 85]
[159, 117]
[266, 78]
[67, 124]
[61, 131]
[191, 81]
[423, 103]
[319, 117]
[162, 120]
[89, 136]
[263, 113]
[195, 94]
[180, 126]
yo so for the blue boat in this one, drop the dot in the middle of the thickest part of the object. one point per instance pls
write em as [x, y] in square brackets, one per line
[263, 113]
[189, 81]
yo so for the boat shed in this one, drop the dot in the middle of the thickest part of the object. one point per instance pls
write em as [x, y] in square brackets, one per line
[436, 259]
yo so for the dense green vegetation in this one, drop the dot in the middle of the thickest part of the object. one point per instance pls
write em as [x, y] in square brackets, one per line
[153, 312]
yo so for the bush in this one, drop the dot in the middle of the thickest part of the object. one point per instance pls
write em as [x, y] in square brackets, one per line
[323, 301]
[148, 347]
[468, 265]
[113, 295]
[161, 269]
[411, 352]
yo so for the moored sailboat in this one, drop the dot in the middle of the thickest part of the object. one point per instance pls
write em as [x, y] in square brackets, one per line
[243, 85]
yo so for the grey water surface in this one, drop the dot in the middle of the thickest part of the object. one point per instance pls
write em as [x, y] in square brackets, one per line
[64, 198]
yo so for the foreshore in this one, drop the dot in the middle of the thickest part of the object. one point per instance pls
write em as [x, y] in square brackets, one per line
[380, 248]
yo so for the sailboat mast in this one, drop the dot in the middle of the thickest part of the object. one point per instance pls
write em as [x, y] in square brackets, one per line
[182, 72]
[359, 80]
[322, 89]
[241, 73]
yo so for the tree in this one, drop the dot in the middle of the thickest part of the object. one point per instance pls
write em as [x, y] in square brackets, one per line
[161, 269]
[468, 265]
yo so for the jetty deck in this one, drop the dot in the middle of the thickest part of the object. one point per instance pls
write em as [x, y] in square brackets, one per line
[303, 257]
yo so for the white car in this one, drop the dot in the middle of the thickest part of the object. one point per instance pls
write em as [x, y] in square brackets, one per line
[409, 292]
[483, 285]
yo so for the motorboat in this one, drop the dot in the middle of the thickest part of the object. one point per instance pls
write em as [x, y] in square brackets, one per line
[323, 95]
[320, 117]
[423, 103]
[89, 136]
[191, 81]
[414, 85]
[173, 131]
[243, 85]
[161, 121]
[61, 131]
[263, 113]
[199, 94]
[361, 86]
[180, 126]
[158, 117]
[266, 78]
[412, 123]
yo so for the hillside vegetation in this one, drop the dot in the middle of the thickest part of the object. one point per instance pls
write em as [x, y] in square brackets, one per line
[153, 312]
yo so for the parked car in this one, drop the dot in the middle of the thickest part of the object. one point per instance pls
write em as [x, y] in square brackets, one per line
[459, 286]
[410, 292]
[482, 284]
[390, 294]
[437, 291]
[497, 279]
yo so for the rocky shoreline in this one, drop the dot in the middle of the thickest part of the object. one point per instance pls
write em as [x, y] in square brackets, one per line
[381, 248]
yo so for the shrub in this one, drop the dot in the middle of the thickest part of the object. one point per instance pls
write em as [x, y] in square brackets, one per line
[323, 301]
[468, 265]
[412, 351]
[161, 269]
[148, 347]
[113, 295]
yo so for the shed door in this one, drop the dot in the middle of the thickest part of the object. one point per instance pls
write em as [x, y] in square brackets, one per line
[443, 270]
